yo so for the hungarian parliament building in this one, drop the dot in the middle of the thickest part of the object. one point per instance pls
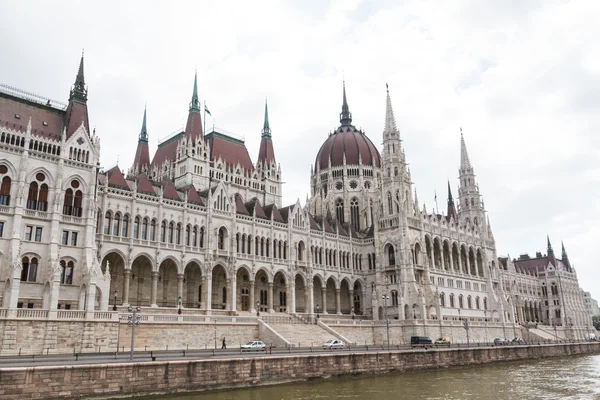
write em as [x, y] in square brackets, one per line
[201, 226]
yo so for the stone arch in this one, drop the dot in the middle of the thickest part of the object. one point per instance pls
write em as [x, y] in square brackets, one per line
[49, 176]
[416, 311]
[222, 238]
[280, 292]
[432, 313]
[243, 287]
[479, 263]
[389, 254]
[12, 171]
[345, 300]
[428, 251]
[464, 259]
[140, 280]
[318, 293]
[116, 261]
[331, 286]
[472, 265]
[357, 301]
[446, 255]
[407, 314]
[301, 293]
[173, 260]
[167, 291]
[192, 285]
[46, 296]
[261, 288]
[417, 254]
[220, 291]
[437, 253]
[83, 297]
[455, 257]
[66, 184]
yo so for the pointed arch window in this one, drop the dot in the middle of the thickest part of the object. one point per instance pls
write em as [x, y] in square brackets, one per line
[391, 255]
[201, 241]
[221, 239]
[29, 271]
[460, 301]
[163, 231]
[136, 228]
[397, 201]
[77, 204]
[178, 234]
[116, 224]
[66, 275]
[125, 226]
[187, 235]
[5, 191]
[170, 232]
[32, 196]
[452, 300]
[390, 205]
[442, 300]
[68, 202]
[153, 230]
[469, 302]
[354, 214]
[195, 236]
[339, 210]
[107, 223]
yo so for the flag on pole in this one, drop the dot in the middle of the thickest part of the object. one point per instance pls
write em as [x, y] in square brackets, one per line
[206, 110]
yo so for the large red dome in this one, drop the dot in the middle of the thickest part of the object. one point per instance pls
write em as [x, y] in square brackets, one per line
[348, 141]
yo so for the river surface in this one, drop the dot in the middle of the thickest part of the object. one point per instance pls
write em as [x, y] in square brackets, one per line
[552, 378]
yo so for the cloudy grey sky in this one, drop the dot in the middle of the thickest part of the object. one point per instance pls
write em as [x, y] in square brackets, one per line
[521, 79]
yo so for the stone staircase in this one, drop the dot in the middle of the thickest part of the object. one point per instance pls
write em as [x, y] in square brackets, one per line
[541, 334]
[303, 335]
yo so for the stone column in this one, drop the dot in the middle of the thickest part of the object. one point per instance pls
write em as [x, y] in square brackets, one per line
[338, 303]
[208, 292]
[228, 298]
[233, 289]
[270, 298]
[431, 258]
[126, 280]
[154, 289]
[179, 289]
[451, 258]
[310, 300]
[351, 296]
[91, 297]
[460, 266]
[292, 291]
[324, 299]
[363, 305]
[252, 301]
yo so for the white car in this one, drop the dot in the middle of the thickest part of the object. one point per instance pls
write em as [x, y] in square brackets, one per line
[333, 344]
[254, 345]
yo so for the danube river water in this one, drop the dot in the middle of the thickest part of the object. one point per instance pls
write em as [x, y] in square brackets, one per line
[548, 379]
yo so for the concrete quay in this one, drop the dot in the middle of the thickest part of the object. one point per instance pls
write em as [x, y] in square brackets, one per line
[161, 377]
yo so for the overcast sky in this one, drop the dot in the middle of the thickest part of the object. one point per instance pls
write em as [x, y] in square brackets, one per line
[523, 81]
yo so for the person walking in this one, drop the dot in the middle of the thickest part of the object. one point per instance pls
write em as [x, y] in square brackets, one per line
[224, 346]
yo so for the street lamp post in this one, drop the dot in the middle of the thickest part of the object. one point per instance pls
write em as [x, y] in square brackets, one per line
[385, 297]
[258, 309]
[115, 304]
[133, 321]
[215, 333]
[317, 312]
[485, 329]
[352, 312]
[179, 301]
[465, 323]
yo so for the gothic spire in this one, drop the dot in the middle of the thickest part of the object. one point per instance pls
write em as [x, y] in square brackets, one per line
[390, 121]
[79, 92]
[549, 245]
[195, 103]
[451, 207]
[450, 199]
[564, 252]
[465, 163]
[564, 257]
[144, 131]
[551, 256]
[345, 115]
[266, 131]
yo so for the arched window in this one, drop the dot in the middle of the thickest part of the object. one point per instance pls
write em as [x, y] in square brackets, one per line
[66, 276]
[178, 234]
[339, 210]
[221, 239]
[390, 205]
[116, 224]
[469, 302]
[300, 250]
[442, 300]
[285, 250]
[125, 227]
[394, 298]
[187, 235]
[201, 241]
[136, 228]
[237, 242]
[477, 302]
[195, 236]
[29, 271]
[163, 231]
[485, 305]
[248, 247]
[5, 191]
[391, 255]
[354, 214]
[452, 300]
[107, 223]
[32, 196]
[42, 203]
[152, 230]
[68, 203]
[77, 204]
[398, 201]
[170, 232]
[460, 301]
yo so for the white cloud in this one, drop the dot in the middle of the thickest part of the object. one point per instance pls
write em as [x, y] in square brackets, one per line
[520, 78]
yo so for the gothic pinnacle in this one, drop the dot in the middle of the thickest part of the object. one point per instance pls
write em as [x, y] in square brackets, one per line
[266, 131]
[195, 103]
[345, 115]
[390, 121]
[144, 131]
[465, 163]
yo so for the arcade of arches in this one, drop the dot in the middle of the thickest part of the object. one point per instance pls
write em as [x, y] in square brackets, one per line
[145, 285]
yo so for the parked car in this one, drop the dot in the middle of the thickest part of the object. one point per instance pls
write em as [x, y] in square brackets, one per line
[442, 340]
[518, 340]
[333, 344]
[415, 340]
[591, 337]
[501, 340]
[254, 345]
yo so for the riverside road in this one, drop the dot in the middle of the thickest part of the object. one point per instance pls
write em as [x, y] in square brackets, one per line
[196, 354]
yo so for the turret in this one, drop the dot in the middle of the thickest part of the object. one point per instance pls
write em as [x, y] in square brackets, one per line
[266, 153]
[565, 258]
[141, 162]
[193, 127]
[551, 256]
[451, 208]
[471, 208]
[77, 111]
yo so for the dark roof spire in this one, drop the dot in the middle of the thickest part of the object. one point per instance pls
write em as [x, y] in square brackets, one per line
[450, 199]
[195, 103]
[564, 252]
[79, 92]
[345, 115]
[451, 207]
[549, 245]
[266, 131]
[144, 131]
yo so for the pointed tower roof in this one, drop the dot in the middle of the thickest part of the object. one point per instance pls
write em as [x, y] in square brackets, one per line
[345, 115]
[141, 162]
[451, 207]
[193, 127]
[465, 163]
[266, 152]
[565, 257]
[77, 109]
[551, 256]
[390, 121]
[550, 250]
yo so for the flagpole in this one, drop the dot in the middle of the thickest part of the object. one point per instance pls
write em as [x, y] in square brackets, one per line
[204, 129]
[437, 211]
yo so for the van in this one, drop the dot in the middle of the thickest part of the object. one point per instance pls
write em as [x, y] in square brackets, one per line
[420, 340]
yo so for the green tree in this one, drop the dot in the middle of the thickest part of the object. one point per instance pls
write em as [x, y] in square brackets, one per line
[596, 322]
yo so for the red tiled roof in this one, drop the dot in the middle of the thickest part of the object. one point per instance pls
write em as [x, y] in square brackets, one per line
[116, 178]
[194, 197]
[169, 191]
[348, 141]
[193, 127]
[166, 150]
[272, 212]
[240, 207]
[253, 206]
[266, 152]
[285, 212]
[76, 112]
[144, 185]
[9, 106]
[313, 223]
[142, 156]
[230, 150]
